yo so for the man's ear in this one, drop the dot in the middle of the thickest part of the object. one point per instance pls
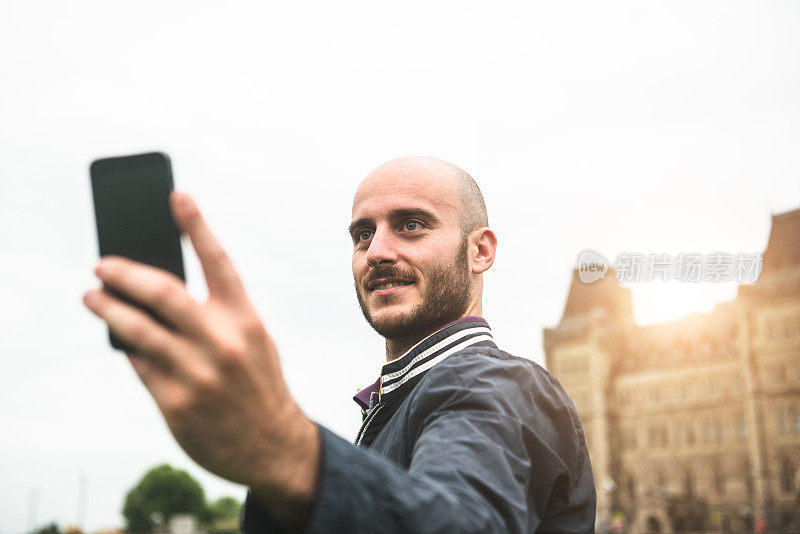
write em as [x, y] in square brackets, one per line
[483, 245]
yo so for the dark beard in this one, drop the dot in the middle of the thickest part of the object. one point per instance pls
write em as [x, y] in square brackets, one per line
[449, 294]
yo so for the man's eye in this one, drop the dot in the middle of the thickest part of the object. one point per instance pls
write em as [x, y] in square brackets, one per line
[411, 226]
[364, 235]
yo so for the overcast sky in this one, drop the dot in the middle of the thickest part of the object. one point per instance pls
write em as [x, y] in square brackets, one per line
[650, 127]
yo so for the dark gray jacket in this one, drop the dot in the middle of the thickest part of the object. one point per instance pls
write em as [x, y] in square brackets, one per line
[464, 438]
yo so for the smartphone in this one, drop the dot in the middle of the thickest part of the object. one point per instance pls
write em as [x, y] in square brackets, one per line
[131, 207]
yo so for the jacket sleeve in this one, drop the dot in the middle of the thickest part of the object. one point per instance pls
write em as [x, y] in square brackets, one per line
[472, 467]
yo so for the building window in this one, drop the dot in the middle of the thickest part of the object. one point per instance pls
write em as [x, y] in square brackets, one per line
[688, 483]
[657, 436]
[789, 421]
[661, 480]
[748, 478]
[719, 480]
[629, 438]
[796, 420]
[574, 369]
[787, 475]
[684, 434]
[713, 431]
[779, 373]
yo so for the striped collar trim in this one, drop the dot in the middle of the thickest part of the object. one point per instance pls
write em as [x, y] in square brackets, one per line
[430, 351]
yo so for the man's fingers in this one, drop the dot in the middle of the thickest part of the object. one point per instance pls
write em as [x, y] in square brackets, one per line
[221, 276]
[158, 290]
[137, 328]
[168, 392]
[154, 377]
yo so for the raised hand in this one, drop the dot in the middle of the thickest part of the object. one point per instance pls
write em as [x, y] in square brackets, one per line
[213, 370]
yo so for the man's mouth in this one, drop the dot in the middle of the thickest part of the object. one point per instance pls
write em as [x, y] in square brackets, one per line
[388, 286]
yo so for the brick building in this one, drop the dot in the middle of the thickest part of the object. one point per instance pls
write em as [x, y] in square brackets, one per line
[693, 423]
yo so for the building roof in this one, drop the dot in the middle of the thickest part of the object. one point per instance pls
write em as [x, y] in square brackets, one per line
[605, 294]
[783, 247]
[780, 268]
[692, 338]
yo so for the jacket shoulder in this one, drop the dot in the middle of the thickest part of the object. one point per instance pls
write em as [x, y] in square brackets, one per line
[489, 379]
[492, 371]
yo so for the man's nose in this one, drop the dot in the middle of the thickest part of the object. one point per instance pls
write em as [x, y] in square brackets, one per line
[382, 248]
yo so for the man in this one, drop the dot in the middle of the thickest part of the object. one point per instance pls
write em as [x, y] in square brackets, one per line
[458, 436]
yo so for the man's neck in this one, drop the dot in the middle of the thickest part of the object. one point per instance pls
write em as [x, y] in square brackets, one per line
[396, 347]
[399, 346]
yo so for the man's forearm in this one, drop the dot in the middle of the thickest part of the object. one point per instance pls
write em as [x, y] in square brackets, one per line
[291, 486]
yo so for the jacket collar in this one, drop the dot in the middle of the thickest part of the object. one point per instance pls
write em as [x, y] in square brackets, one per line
[400, 374]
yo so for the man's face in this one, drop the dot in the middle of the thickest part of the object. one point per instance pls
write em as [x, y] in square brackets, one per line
[410, 263]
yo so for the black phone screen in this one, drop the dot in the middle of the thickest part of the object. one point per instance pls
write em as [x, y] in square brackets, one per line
[131, 205]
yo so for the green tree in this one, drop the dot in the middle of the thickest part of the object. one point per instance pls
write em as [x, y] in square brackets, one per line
[52, 528]
[161, 493]
[226, 508]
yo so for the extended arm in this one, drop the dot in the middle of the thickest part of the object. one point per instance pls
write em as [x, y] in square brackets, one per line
[487, 456]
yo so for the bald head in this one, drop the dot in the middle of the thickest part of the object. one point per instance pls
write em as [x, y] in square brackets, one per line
[473, 207]
[435, 177]
[420, 247]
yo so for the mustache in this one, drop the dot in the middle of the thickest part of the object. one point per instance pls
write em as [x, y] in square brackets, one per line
[387, 271]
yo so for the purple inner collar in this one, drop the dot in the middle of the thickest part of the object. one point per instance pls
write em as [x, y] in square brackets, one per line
[363, 396]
